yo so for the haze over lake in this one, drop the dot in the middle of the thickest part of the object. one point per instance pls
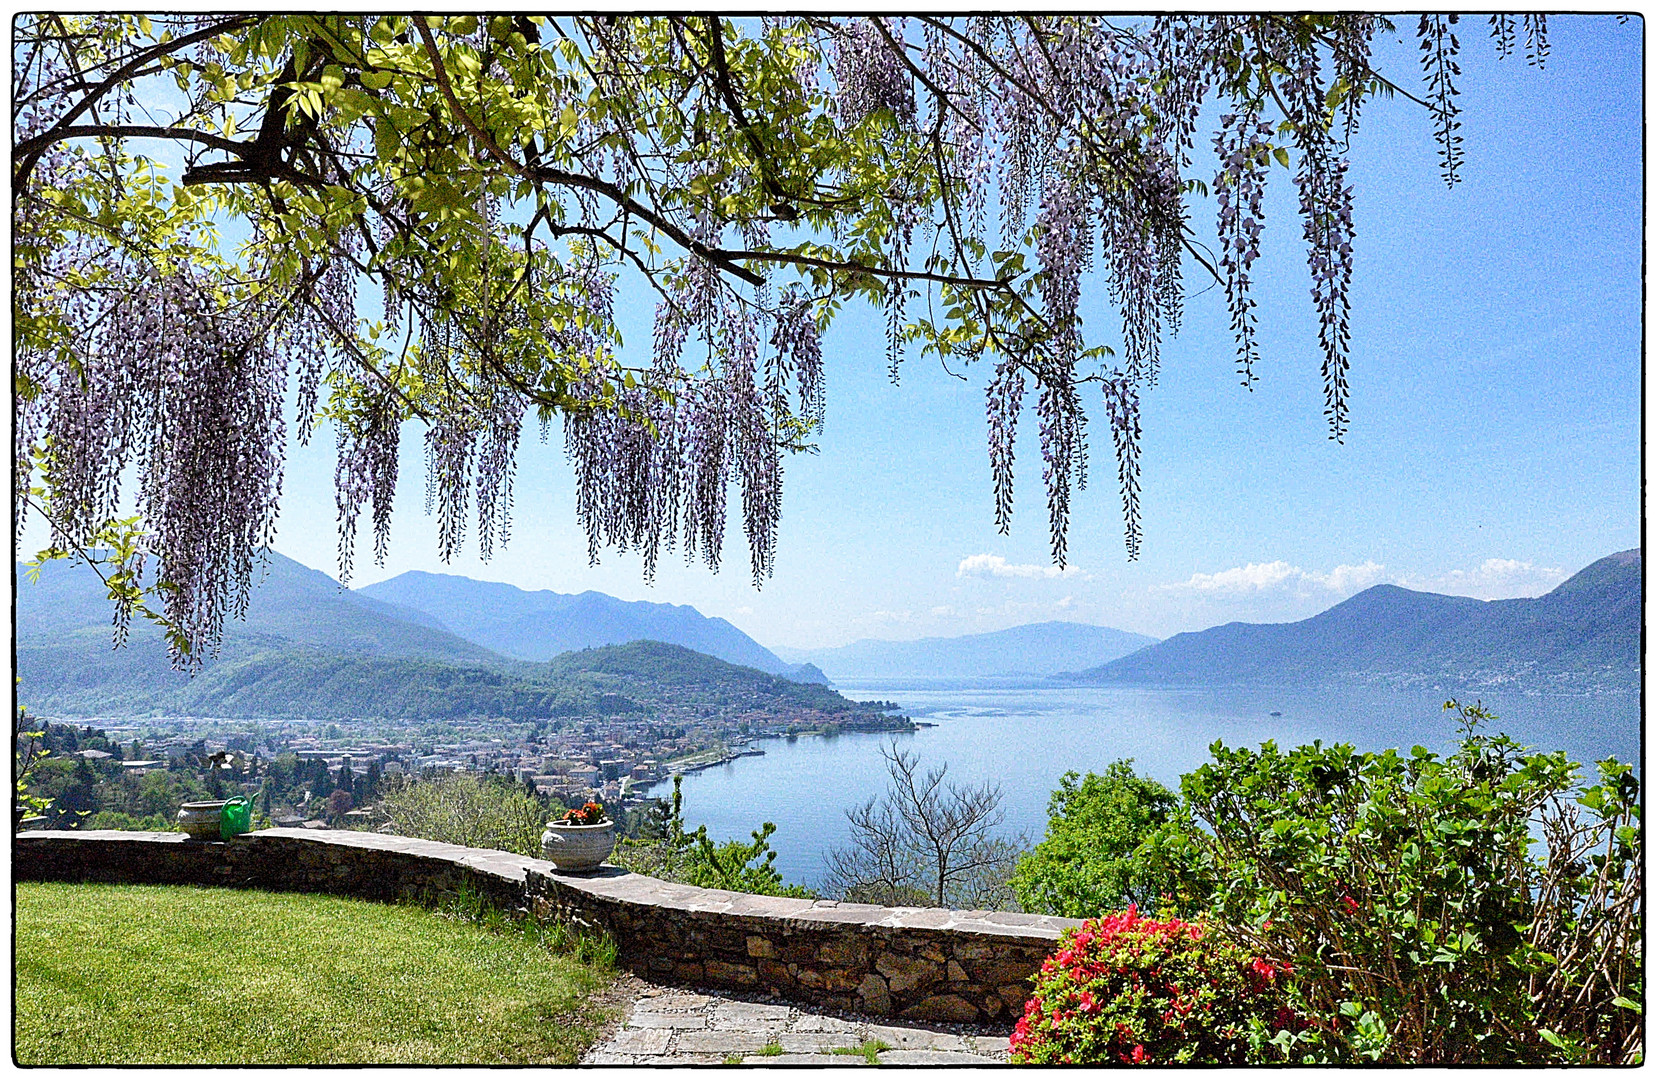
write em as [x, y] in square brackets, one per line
[1025, 736]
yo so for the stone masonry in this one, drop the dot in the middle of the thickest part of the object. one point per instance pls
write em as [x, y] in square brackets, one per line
[921, 964]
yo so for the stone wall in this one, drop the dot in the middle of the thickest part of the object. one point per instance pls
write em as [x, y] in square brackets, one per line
[917, 963]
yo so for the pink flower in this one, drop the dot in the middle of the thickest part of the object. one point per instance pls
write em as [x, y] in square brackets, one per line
[1351, 905]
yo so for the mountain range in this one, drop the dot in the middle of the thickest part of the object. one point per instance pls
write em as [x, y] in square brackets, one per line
[1037, 649]
[309, 648]
[1584, 636]
[427, 644]
[541, 625]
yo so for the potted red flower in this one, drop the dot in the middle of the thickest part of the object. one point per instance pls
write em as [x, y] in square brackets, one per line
[581, 839]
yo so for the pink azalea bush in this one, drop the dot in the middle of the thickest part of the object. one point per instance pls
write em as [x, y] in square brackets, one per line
[1125, 989]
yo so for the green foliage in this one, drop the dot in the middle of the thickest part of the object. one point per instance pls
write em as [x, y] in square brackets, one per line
[466, 809]
[1089, 863]
[28, 753]
[1404, 889]
[143, 974]
[869, 1050]
[466, 904]
[114, 819]
[152, 794]
[694, 859]
[738, 866]
[1132, 990]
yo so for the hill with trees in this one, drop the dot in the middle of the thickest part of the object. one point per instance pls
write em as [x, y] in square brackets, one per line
[655, 671]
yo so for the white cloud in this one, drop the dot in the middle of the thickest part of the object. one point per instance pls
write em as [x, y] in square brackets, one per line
[1493, 579]
[1277, 576]
[1346, 578]
[1241, 579]
[943, 610]
[996, 566]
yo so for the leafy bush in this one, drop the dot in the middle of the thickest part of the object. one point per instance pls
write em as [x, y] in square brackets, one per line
[112, 819]
[1405, 892]
[1129, 989]
[691, 858]
[1090, 861]
[465, 809]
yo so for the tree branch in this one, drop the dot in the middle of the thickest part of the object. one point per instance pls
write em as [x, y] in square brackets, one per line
[125, 71]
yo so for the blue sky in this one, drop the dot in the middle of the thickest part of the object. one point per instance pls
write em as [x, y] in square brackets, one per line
[1494, 446]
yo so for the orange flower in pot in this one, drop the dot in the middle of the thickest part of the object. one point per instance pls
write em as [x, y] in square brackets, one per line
[580, 840]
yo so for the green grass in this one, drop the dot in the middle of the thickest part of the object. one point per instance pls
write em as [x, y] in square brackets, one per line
[144, 974]
[770, 1050]
[868, 1051]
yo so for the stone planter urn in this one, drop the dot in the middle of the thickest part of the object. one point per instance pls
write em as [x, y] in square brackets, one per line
[200, 820]
[578, 847]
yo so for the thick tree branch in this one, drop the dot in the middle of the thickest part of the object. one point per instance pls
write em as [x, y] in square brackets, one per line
[26, 166]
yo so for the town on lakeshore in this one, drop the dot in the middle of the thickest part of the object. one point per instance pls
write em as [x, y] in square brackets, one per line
[569, 760]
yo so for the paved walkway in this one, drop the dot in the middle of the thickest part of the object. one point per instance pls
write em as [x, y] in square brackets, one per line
[672, 1026]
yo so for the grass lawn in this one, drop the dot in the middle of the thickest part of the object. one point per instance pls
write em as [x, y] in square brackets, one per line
[146, 974]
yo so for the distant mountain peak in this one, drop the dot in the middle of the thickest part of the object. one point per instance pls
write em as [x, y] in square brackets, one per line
[1581, 637]
[1035, 649]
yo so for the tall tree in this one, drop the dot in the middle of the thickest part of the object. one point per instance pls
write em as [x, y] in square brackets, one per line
[926, 840]
[204, 204]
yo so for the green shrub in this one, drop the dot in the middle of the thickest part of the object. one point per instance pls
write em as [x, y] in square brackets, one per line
[1090, 862]
[111, 819]
[466, 809]
[1127, 989]
[691, 858]
[1406, 894]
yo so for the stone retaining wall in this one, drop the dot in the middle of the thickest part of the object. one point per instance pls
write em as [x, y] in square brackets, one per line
[917, 963]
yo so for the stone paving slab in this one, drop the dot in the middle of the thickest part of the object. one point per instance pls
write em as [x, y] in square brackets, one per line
[743, 1012]
[815, 1042]
[719, 1041]
[673, 1026]
[910, 1038]
[930, 1057]
[667, 1020]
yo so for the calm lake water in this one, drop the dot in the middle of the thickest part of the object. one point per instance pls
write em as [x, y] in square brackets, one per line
[1025, 737]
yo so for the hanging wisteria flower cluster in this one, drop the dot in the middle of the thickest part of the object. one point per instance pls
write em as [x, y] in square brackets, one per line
[444, 221]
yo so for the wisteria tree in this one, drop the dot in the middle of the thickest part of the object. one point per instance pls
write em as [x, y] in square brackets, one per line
[397, 218]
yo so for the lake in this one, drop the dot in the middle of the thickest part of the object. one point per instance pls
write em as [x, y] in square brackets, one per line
[1024, 737]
